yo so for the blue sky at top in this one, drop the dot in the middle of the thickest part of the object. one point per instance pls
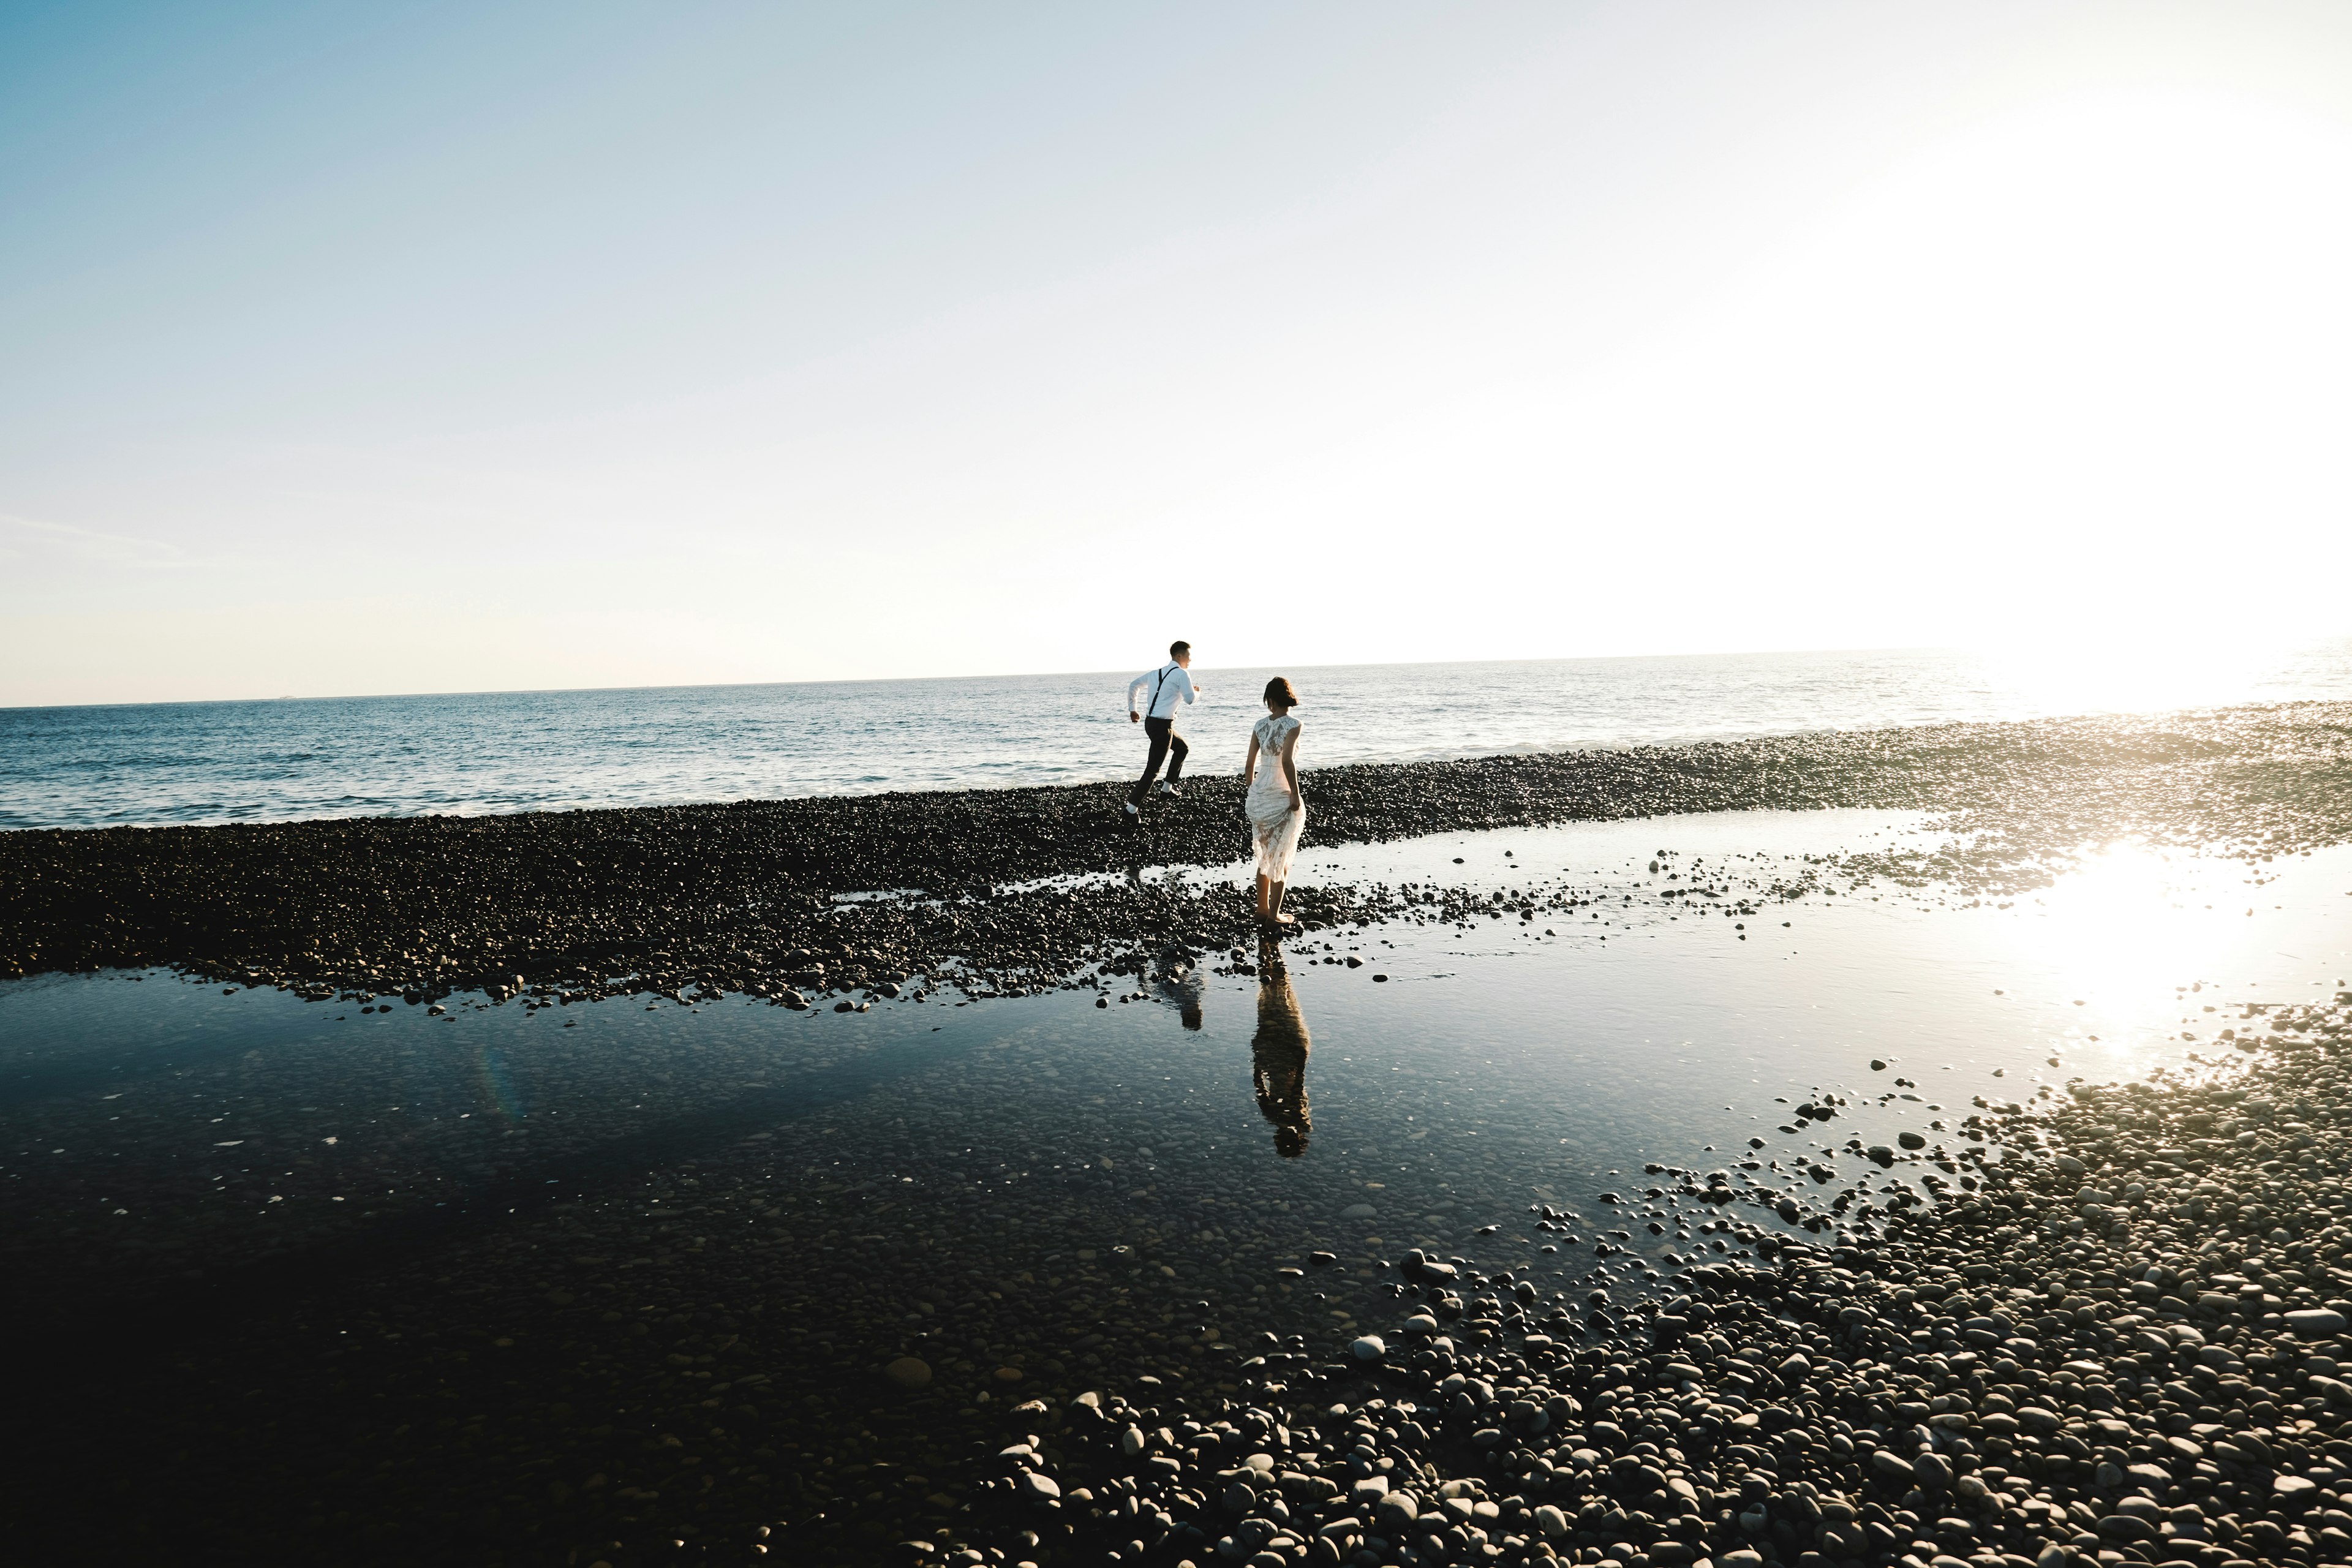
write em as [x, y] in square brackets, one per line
[411, 347]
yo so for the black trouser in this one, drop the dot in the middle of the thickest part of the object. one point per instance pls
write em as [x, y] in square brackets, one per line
[1165, 743]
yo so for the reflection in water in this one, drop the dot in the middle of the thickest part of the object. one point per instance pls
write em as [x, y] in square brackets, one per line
[1278, 1054]
[1180, 983]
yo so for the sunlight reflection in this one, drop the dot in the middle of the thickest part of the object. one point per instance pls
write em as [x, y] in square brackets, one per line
[2125, 933]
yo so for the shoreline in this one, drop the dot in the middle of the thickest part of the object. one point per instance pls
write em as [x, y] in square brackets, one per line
[739, 898]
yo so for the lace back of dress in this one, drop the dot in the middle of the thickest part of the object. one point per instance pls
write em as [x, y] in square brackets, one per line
[1271, 731]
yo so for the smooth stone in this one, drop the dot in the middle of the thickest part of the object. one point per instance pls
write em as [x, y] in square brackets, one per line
[909, 1372]
[1358, 1211]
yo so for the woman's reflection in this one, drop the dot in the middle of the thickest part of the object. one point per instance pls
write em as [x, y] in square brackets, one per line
[1278, 1054]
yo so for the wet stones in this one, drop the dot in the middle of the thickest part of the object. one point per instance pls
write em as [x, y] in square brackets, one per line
[908, 1373]
[1969, 1377]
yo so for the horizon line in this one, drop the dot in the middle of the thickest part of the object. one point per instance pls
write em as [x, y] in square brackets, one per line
[1960, 649]
[910, 680]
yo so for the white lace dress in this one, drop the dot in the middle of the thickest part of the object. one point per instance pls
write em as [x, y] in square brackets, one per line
[1273, 823]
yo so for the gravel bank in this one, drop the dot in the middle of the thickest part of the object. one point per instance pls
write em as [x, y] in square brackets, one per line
[2113, 1328]
[746, 898]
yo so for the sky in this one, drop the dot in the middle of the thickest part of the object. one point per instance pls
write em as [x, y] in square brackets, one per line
[400, 347]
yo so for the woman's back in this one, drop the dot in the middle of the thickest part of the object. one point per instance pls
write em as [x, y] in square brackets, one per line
[1271, 733]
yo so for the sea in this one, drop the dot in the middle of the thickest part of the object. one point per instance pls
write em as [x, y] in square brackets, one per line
[476, 752]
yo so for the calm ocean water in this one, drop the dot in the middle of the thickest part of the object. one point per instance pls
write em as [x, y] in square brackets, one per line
[274, 761]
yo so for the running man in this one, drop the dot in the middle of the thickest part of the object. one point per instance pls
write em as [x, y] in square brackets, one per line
[1167, 685]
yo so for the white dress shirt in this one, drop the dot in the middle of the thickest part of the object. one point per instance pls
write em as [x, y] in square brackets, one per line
[1169, 682]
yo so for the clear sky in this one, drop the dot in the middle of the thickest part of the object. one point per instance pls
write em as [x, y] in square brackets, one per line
[397, 347]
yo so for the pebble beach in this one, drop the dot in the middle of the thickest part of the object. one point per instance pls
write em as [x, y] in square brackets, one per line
[950, 1178]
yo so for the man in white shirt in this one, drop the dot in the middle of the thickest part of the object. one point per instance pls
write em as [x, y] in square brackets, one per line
[1162, 688]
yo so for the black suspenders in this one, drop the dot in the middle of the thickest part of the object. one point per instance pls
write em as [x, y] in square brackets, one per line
[1155, 690]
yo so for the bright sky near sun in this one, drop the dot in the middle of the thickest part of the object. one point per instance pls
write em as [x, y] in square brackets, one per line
[448, 347]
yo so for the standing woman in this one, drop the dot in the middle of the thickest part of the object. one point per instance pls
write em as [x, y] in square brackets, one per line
[1276, 810]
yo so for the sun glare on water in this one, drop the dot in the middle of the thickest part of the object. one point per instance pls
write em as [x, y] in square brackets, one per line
[2124, 935]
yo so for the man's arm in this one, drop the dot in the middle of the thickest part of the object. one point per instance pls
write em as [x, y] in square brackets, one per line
[1132, 688]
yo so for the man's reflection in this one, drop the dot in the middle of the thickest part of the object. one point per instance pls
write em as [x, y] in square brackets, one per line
[1278, 1053]
[1180, 983]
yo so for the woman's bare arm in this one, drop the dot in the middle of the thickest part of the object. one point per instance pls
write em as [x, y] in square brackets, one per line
[1290, 764]
[1249, 768]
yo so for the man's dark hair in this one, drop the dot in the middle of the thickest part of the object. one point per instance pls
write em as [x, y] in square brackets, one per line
[1179, 649]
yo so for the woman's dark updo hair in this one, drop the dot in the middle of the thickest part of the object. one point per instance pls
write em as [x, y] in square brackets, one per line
[1279, 690]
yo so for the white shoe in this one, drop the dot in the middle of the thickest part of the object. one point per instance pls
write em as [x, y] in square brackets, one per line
[1164, 787]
